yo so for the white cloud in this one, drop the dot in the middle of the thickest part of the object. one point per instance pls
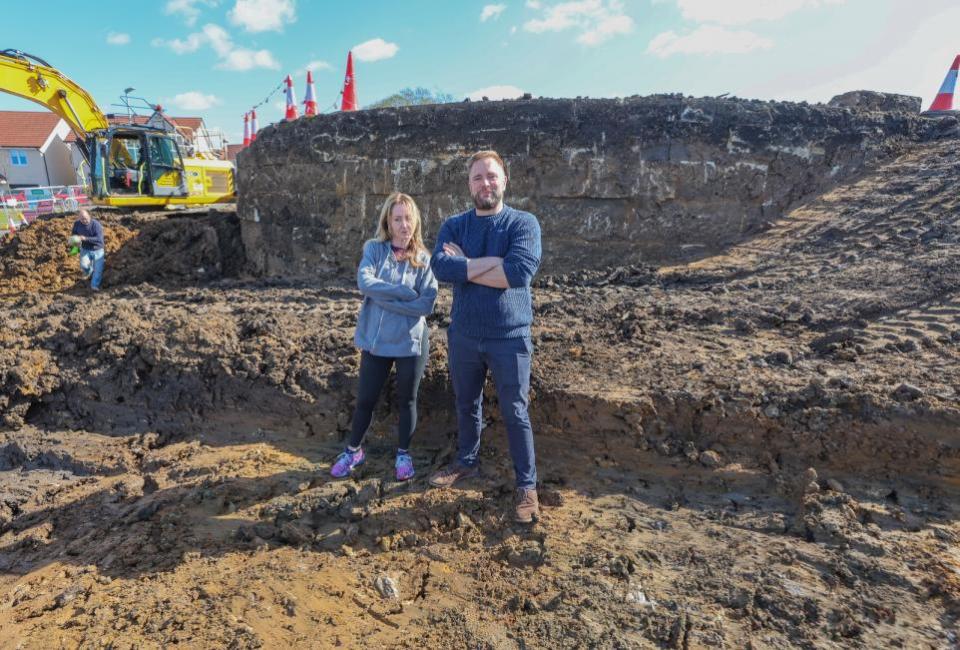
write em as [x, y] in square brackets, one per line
[741, 12]
[606, 29]
[242, 59]
[534, 4]
[491, 11]
[707, 39]
[596, 20]
[375, 50]
[188, 9]
[118, 38]
[219, 40]
[195, 101]
[263, 15]
[313, 66]
[496, 92]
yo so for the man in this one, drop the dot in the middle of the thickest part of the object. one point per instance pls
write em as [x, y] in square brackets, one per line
[90, 232]
[490, 254]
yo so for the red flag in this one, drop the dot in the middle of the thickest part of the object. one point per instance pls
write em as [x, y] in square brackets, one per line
[349, 87]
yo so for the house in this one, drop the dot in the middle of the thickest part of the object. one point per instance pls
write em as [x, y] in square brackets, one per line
[232, 151]
[38, 149]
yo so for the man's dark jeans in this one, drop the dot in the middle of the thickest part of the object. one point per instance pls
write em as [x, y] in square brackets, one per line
[509, 362]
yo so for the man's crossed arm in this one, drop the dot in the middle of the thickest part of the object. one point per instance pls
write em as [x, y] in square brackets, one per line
[487, 271]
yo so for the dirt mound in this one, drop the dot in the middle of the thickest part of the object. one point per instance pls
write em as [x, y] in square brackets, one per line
[182, 247]
[756, 450]
[37, 258]
[163, 247]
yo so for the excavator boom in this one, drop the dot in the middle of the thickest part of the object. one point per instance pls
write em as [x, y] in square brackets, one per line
[129, 164]
[32, 78]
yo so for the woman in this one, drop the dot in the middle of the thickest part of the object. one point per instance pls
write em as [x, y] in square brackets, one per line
[398, 292]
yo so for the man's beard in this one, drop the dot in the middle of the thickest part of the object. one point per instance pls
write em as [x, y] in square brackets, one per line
[488, 203]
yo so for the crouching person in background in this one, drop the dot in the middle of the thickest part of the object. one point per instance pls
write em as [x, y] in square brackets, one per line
[92, 253]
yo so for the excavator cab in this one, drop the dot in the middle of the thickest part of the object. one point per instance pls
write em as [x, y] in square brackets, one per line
[166, 167]
[137, 163]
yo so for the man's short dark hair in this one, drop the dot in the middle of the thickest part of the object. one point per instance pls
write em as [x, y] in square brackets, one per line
[486, 153]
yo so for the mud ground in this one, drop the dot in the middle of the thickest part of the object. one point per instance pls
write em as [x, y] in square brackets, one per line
[755, 450]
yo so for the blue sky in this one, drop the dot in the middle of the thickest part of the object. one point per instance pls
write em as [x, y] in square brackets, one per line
[217, 58]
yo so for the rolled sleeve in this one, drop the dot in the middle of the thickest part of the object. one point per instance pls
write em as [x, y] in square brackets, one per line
[522, 260]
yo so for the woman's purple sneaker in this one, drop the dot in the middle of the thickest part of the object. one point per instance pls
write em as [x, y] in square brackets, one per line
[404, 467]
[346, 462]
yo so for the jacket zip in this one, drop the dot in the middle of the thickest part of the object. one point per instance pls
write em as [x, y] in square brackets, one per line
[395, 264]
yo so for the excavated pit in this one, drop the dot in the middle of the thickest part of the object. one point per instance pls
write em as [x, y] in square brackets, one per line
[759, 448]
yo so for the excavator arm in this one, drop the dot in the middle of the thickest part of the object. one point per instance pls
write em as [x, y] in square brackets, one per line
[33, 78]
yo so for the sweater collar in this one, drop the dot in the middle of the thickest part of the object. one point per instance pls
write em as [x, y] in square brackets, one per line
[493, 217]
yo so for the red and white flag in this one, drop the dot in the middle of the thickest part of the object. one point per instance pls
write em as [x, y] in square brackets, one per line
[349, 102]
[291, 101]
[310, 101]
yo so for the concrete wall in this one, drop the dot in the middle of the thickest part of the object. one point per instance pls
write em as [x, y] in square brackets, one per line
[59, 156]
[652, 179]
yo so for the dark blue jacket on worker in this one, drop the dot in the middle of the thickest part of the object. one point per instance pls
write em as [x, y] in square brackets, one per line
[92, 232]
[486, 312]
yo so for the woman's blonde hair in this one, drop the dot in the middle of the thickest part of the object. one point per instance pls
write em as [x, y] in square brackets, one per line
[415, 247]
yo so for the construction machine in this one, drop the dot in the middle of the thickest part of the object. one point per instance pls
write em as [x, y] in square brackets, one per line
[131, 165]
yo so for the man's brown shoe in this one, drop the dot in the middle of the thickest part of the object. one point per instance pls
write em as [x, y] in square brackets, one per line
[453, 473]
[527, 506]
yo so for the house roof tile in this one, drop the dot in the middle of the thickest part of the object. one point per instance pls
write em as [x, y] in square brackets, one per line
[28, 129]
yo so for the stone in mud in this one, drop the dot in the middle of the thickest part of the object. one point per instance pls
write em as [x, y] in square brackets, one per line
[295, 533]
[906, 393]
[387, 587]
[780, 358]
[835, 485]
[710, 459]
[528, 553]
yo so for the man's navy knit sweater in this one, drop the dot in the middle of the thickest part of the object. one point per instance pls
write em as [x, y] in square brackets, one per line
[487, 312]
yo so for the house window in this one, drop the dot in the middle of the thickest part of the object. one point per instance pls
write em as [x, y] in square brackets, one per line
[18, 158]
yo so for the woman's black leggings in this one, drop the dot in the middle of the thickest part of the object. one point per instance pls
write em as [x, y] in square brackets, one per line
[373, 376]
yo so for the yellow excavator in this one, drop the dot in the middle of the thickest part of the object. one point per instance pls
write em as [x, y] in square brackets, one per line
[131, 165]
